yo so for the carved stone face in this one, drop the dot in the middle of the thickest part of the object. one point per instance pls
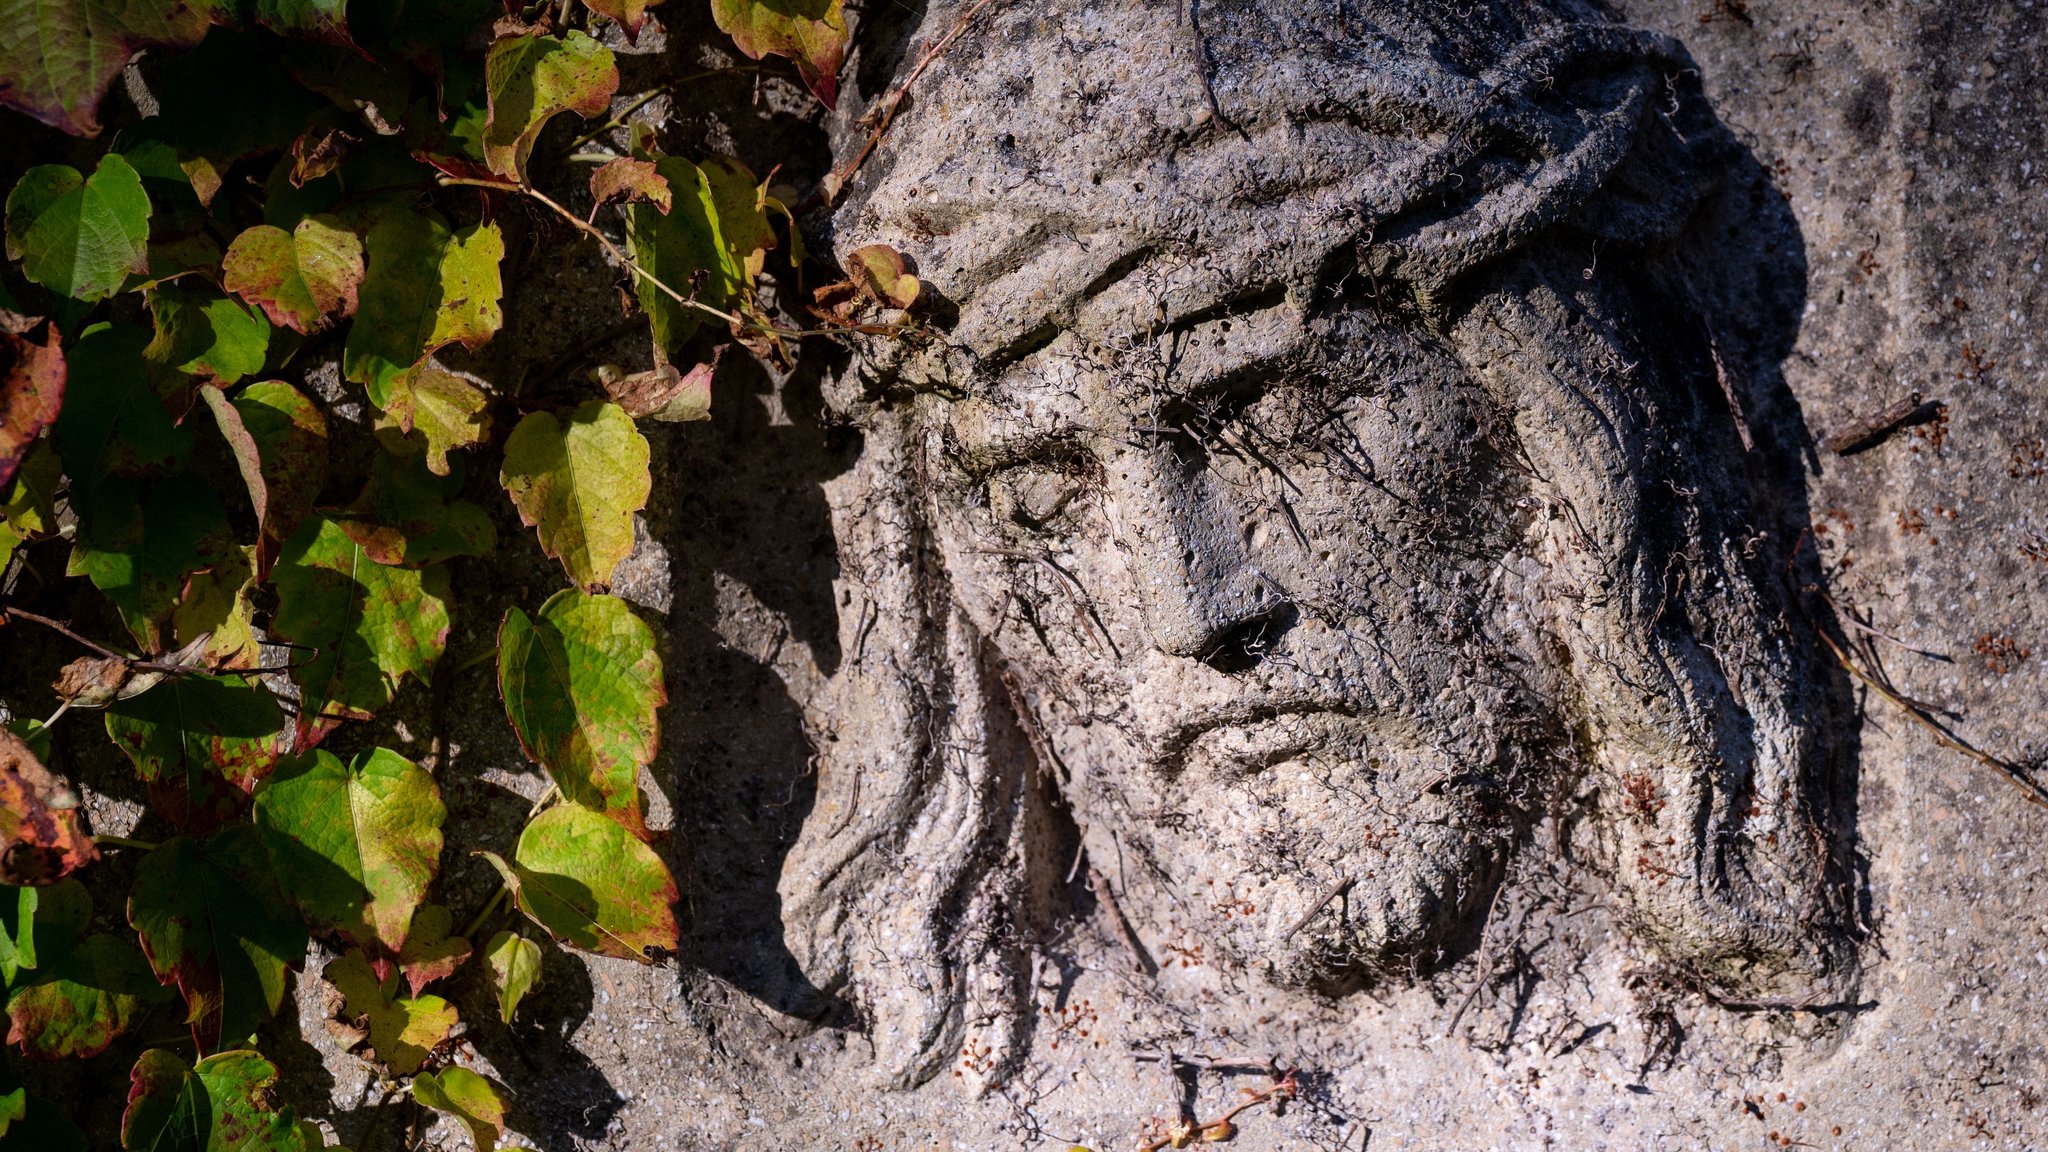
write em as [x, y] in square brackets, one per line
[1313, 497]
[1261, 619]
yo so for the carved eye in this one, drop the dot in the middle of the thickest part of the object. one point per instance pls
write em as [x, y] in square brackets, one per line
[1034, 495]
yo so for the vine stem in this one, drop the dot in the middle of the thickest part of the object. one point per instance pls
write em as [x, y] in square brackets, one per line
[490, 908]
[625, 114]
[634, 267]
[104, 841]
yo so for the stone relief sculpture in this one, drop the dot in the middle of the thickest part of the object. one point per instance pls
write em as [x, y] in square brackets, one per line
[1342, 450]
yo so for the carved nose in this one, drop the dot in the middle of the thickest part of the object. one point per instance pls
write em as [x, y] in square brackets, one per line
[1200, 594]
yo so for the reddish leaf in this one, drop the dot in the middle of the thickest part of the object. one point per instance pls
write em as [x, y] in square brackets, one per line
[31, 388]
[430, 953]
[630, 14]
[632, 180]
[42, 832]
[57, 60]
[878, 270]
[810, 32]
[664, 393]
[305, 279]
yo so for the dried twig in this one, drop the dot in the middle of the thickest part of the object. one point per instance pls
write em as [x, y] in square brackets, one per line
[1139, 957]
[1341, 886]
[1869, 431]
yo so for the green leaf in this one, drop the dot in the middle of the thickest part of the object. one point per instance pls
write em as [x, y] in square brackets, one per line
[191, 734]
[579, 484]
[430, 952]
[402, 1031]
[370, 624]
[42, 838]
[812, 33]
[31, 392]
[434, 411]
[469, 1098]
[426, 288]
[532, 78]
[716, 226]
[355, 844]
[80, 1000]
[113, 423]
[57, 59]
[290, 436]
[582, 686]
[515, 968]
[221, 1105]
[138, 541]
[323, 20]
[77, 236]
[592, 884]
[409, 517]
[28, 503]
[305, 279]
[203, 334]
[57, 916]
[214, 923]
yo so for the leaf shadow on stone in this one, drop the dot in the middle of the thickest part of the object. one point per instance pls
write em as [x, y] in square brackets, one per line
[747, 506]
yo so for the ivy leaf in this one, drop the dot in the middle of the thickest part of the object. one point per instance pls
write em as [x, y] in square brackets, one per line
[31, 390]
[435, 410]
[220, 1105]
[665, 394]
[192, 734]
[630, 180]
[469, 1098]
[355, 844]
[592, 884]
[28, 504]
[289, 434]
[370, 624]
[56, 916]
[42, 834]
[305, 279]
[214, 924]
[582, 686]
[322, 20]
[113, 423]
[219, 607]
[203, 334]
[409, 517]
[529, 80]
[80, 1000]
[716, 227]
[56, 60]
[878, 269]
[431, 953]
[402, 1031]
[139, 541]
[812, 33]
[79, 236]
[515, 969]
[426, 288]
[579, 484]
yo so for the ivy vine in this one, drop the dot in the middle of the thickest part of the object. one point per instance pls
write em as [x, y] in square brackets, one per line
[306, 173]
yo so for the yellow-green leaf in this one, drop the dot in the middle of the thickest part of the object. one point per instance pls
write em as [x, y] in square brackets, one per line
[434, 411]
[78, 236]
[369, 624]
[469, 1098]
[515, 968]
[592, 884]
[711, 240]
[582, 686]
[402, 1031]
[578, 484]
[355, 844]
[426, 288]
[223, 1104]
[812, 33]
[531, 78]
[305, 279]
[80, 999]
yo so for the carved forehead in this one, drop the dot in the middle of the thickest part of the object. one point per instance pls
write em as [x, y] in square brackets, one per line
[1062, 172]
